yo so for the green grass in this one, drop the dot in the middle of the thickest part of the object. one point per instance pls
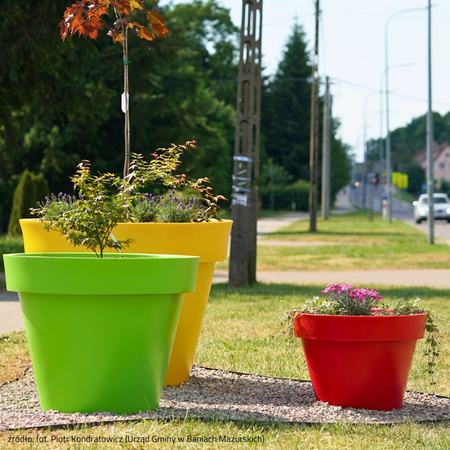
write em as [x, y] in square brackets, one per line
[404, 196]
[263, 213]
[351, 242]
[352, 228]
[242, 332]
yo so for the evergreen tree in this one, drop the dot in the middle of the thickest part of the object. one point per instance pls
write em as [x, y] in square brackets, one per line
[287, 108]
[286, 122]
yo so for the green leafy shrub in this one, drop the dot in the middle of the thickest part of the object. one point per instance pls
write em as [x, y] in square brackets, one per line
[286, 196]
[10, 244]
[104, 200]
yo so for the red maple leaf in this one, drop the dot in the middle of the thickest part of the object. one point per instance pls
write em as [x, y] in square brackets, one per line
[84, 18]
[157, 21]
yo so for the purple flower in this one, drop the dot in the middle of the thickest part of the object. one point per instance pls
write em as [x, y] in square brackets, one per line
[339, 288]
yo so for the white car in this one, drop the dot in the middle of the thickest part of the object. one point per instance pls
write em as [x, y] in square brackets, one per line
[441, 207]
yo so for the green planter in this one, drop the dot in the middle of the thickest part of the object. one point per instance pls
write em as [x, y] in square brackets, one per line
[100, 331]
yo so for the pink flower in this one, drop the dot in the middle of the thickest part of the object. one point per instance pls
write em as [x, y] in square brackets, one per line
[339, 288]
[362, 294]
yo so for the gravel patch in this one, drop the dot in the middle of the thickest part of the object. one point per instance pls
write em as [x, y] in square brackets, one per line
[212, 393]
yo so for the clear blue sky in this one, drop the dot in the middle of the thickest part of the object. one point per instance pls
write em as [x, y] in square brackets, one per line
[352, 54]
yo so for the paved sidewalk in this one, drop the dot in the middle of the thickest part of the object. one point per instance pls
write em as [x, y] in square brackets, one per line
[437, 278]
[11, 317]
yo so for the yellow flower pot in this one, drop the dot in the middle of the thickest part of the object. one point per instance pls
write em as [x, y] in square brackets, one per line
[209, 240]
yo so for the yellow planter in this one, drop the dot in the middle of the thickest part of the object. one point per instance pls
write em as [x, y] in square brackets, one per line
[209, 240]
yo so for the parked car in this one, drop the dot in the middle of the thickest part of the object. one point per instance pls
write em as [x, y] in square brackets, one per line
[441, 207]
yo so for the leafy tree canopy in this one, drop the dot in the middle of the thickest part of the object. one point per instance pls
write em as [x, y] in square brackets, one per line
[61, 100]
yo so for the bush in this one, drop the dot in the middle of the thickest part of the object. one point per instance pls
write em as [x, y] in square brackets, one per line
[31, 189]
[10, 245]
[291, 196]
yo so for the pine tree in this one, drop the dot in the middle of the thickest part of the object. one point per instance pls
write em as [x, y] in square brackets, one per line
[286, 120]
[286, 108]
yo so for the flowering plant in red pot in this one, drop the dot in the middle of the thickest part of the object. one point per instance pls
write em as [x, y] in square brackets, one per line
[358, 350]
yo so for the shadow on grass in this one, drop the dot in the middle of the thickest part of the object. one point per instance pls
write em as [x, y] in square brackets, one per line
[308, 291]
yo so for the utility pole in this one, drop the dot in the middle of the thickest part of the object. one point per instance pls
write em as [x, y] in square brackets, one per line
[314, 144]
[244, 204]
[326, 152]
[388, 133]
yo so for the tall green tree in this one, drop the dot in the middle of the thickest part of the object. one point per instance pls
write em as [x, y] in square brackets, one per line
[407, 141]
[286, 119]
[61, 100]
[286, 109]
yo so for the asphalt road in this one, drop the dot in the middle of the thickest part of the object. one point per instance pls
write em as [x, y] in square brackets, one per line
[400, 210]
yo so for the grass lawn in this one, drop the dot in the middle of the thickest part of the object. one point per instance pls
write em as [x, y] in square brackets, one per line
[350, 242]
[242, 332]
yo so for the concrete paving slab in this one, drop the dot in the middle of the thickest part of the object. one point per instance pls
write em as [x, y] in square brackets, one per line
[437, 278]
[10, 316]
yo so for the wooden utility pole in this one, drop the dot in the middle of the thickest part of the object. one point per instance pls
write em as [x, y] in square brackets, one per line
[326, 152]
[244, 204]
[314, 147]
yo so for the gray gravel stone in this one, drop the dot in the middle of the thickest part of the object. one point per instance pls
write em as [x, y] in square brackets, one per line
[212, 393]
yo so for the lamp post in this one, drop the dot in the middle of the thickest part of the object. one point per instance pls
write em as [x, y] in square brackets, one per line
[388, 133]
[430, 181]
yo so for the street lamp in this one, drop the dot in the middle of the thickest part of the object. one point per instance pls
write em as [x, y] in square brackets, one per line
[388, 133]
[430, 181]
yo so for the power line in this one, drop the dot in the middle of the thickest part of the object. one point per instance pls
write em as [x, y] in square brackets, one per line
[371, 88]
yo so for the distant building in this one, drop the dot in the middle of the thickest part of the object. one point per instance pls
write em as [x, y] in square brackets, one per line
[441, 161]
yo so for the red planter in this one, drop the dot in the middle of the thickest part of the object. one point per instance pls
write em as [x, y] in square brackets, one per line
[359, 361]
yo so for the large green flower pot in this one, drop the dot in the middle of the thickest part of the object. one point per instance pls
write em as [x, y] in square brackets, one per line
[100, 331]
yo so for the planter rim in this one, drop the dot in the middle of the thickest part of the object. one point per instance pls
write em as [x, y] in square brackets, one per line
[359, 328]
[216, 221]
[209, 240]
[83, 273]
[359, 317]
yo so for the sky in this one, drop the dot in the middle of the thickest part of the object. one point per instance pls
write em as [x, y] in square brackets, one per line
[352, 46]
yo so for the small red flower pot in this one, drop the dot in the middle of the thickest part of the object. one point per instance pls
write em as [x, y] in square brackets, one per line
[359, 361]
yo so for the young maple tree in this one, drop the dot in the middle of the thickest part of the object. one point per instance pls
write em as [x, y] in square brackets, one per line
[85, 18]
